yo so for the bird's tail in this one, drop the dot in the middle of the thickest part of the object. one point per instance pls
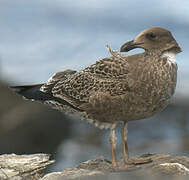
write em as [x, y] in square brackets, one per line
[31, 92]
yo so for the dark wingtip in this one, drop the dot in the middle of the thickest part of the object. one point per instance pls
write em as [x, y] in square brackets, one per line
[23, 90]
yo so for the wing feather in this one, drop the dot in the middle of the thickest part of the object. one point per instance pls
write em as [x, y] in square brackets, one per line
[108, 75]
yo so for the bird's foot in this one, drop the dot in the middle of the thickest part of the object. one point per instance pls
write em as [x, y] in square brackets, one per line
[130, 163]
[137, 161]
[118, 167]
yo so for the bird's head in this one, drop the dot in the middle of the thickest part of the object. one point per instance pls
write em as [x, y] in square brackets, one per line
[153, 39]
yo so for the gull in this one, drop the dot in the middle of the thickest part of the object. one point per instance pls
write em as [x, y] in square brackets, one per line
[119, 88]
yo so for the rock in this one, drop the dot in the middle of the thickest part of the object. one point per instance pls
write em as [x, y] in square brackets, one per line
[29, 167]
[161, 166]
[17, 167]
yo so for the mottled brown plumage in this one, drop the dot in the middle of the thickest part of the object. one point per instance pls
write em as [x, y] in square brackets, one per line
[121, 87]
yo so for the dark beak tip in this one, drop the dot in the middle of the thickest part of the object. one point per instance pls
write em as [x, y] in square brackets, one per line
[122, 50]
[129, 46]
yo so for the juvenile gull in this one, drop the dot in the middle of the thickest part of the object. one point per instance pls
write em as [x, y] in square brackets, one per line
[117, 88]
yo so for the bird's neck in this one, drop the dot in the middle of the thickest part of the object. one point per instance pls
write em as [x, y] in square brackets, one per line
[170, 55]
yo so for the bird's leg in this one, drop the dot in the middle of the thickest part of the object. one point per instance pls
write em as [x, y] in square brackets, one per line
[126, 158]
[124, 142]
[112, 138]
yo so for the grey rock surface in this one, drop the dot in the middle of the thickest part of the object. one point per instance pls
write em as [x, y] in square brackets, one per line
[19, 167]
[162, 166]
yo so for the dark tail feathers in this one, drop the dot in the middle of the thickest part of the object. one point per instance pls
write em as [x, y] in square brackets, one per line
[31, 92]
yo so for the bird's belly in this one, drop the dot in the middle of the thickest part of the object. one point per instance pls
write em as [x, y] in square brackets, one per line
[128, 107]
[144, 110]
[147, 103]
[153, 93]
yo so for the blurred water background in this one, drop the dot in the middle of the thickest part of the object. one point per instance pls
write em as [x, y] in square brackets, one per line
[41, 37]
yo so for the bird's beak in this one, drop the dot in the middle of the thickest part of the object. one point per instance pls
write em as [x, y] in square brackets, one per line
[179, 50]
[129, 46]
[175, 47]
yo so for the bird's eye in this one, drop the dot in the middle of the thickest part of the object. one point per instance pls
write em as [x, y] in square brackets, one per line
[151, 36]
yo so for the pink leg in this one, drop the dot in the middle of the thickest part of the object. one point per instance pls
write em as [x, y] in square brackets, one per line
[112, 138]
[124, 142]
[126, 158]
